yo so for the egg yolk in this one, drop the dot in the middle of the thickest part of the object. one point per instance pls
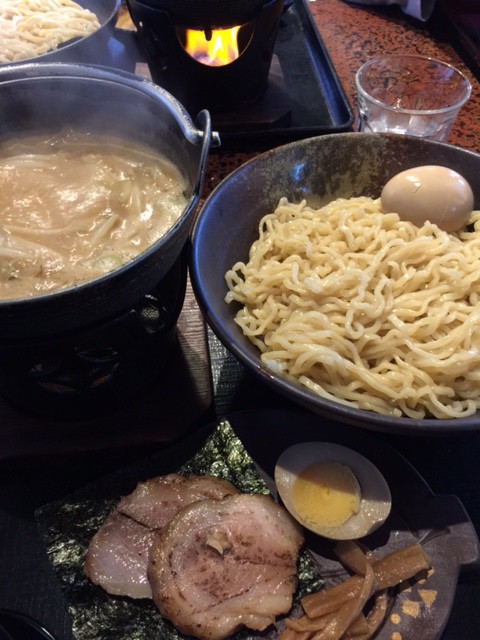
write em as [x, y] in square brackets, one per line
[326, 494]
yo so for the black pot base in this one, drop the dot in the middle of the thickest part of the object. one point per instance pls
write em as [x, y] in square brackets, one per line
[100, 369]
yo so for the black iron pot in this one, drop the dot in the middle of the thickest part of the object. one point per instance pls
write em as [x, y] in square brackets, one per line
[45, 98]
[88, 350]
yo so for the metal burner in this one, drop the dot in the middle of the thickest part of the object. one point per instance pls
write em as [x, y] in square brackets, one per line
[164, 26]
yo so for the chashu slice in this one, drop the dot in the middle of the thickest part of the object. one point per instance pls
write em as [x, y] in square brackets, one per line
[154, 502]
[221, 565]
[117, 555]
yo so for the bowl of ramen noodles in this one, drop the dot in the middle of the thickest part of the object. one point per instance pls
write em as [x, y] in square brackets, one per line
[308, 274]
[100, 176]
[56, 30]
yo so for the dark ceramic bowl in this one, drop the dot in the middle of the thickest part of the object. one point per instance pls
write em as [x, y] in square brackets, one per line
[18, 626]
[91, 48]
[317, 169]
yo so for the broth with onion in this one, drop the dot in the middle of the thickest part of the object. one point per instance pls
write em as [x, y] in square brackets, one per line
[74, 207]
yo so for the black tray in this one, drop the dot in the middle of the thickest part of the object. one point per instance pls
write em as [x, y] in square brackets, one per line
[303, 78]
[319, 104]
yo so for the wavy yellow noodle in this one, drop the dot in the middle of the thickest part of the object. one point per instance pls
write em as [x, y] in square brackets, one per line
[364, 308]
[29, 28]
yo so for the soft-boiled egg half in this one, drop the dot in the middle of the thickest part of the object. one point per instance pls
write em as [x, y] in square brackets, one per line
[332, 490]
[429, 193]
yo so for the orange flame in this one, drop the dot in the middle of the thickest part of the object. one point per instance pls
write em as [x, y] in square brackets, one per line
[217, 51]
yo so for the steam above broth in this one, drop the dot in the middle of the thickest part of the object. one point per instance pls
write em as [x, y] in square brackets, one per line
[73, 208]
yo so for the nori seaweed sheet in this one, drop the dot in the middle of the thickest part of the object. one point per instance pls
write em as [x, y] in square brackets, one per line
[67, 527]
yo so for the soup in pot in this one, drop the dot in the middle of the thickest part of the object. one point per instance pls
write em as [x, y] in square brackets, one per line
[73, 208]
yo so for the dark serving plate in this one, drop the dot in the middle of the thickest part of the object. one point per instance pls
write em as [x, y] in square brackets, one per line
[439, 522]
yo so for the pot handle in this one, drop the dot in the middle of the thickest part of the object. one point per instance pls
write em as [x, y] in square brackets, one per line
[207, 138]
[204, 120]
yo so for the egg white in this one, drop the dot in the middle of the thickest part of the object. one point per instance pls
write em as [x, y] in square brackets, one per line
[376, 500]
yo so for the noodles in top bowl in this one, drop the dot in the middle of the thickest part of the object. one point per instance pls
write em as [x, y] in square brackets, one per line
[338, 305]
[51, 30]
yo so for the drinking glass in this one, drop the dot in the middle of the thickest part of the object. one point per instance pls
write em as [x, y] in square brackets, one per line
[411, 95]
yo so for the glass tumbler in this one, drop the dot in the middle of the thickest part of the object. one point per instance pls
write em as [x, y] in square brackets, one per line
[411, 95]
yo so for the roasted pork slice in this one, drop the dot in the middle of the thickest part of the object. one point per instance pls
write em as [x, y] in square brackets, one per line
[221, 565]
[155, 501]
[117, 556]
